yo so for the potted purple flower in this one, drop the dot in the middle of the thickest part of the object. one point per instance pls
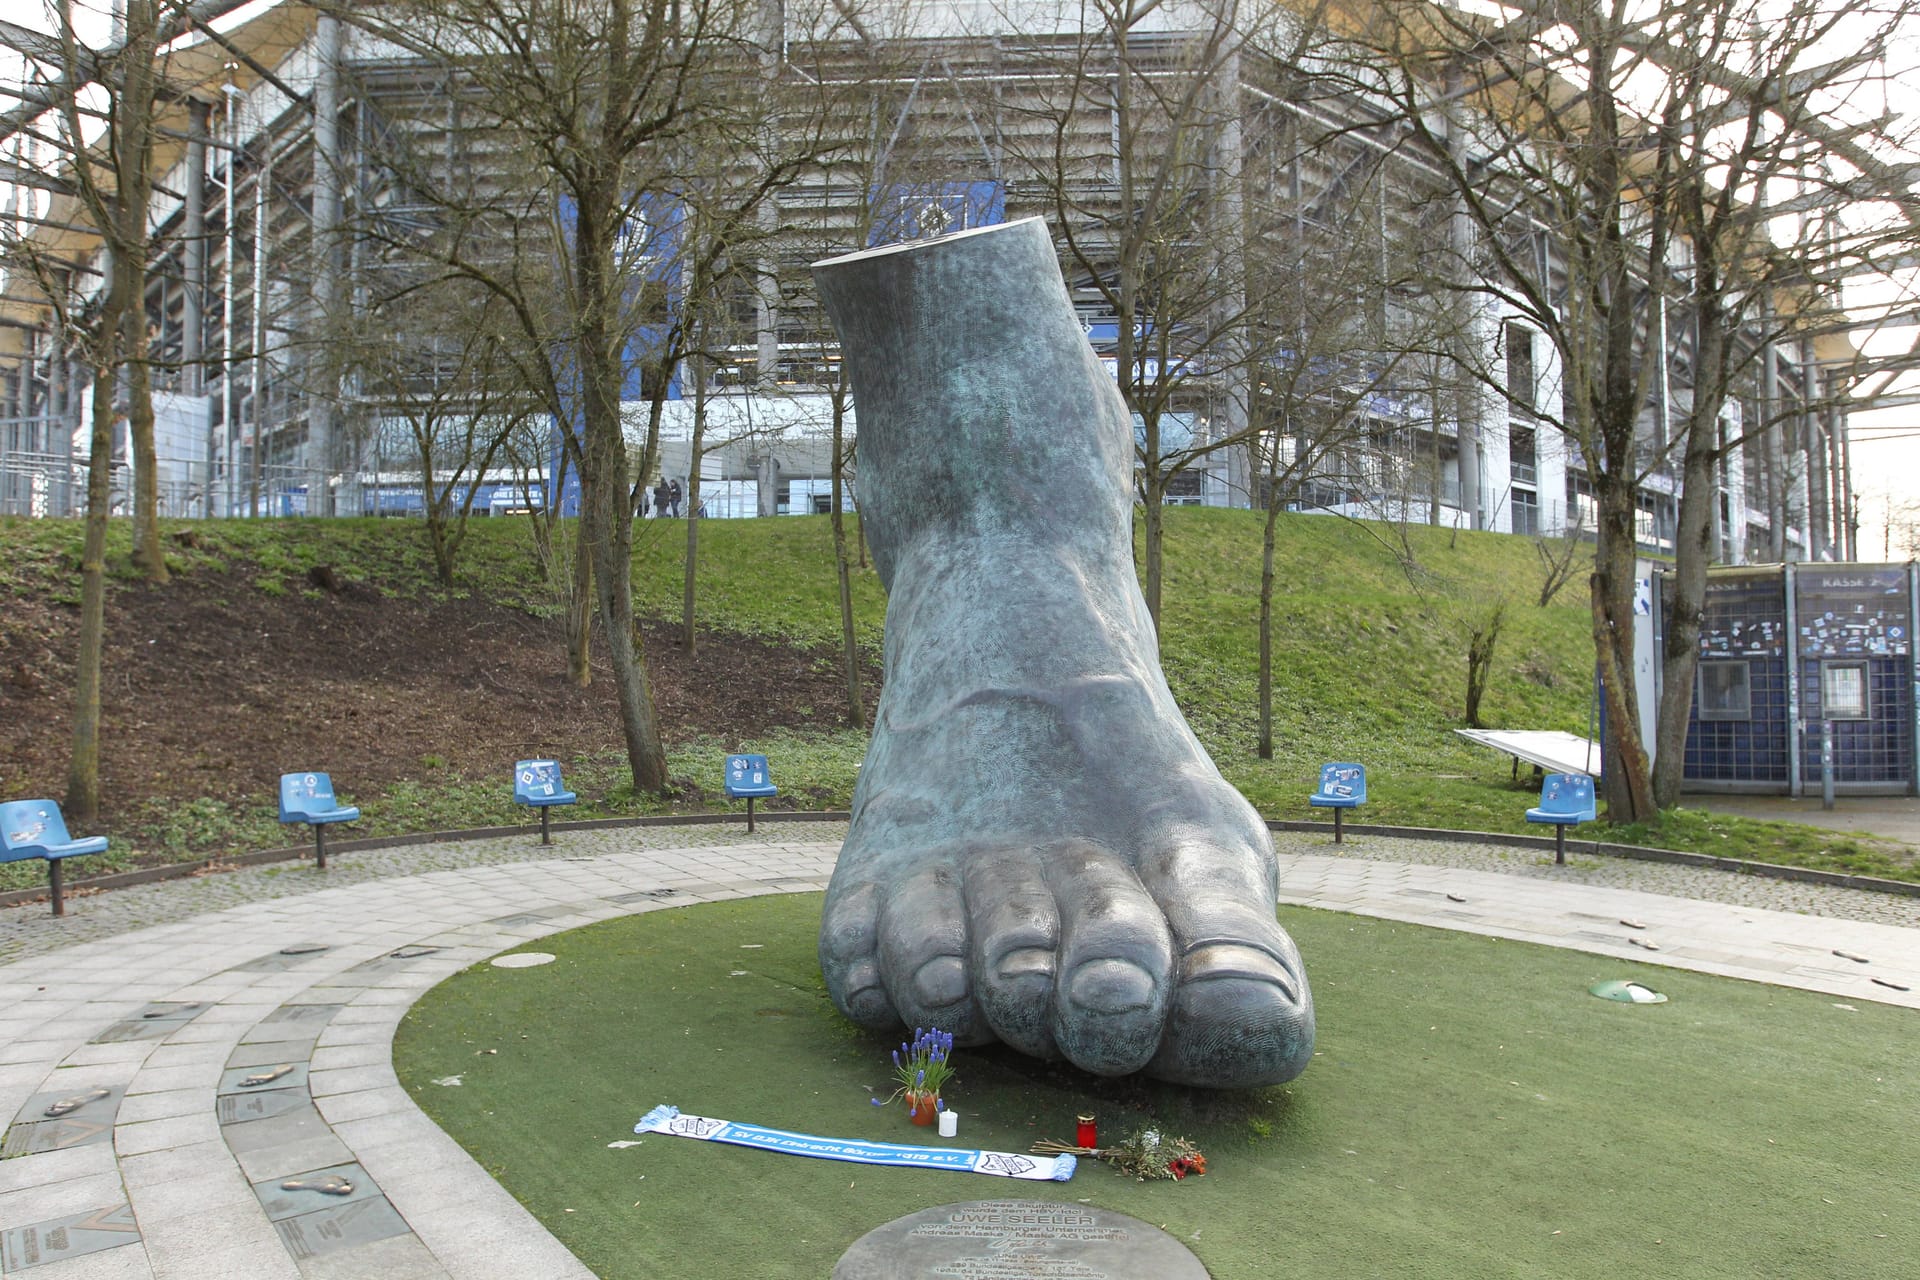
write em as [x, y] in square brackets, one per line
[921, 1067]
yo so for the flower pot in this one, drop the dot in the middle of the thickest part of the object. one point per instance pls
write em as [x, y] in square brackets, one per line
[920, 1107]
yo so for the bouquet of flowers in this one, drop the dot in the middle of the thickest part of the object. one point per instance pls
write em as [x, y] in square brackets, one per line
[1146, 1153]
[922, 1066]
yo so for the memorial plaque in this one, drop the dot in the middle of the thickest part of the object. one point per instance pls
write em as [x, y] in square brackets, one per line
[305, 1014]
[270, 1053]
[238, 1108]
[273, 1075]
[390, 962]
[82, 1101]
[161, 1018]
[308, 1235]
[518, 919]
[89, 1232]
[54, 1135]
[624, 899]
[282, 960]
[1017, 1240]
[292, 1022]
[289, 1128]
[315, 1191]
[171, 1011]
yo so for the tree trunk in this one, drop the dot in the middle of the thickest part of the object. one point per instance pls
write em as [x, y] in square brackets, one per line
[437, 534]
[580, 604]
[612, 540]
[849, 642]
[133, 157]
[148, 557]
[1152, 531]
[83, 769]
[1265, 747]
[687, 637]
[1686, 594]
[1481, 643]
[609, 508]
[1685, 602]
[1629, 784]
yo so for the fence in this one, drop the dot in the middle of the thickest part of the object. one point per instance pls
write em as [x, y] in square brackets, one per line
[45, 484]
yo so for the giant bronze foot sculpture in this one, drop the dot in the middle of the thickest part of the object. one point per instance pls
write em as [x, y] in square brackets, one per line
[1041, 851]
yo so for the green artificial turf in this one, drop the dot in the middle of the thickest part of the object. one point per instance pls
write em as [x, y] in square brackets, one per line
[1471, 1112]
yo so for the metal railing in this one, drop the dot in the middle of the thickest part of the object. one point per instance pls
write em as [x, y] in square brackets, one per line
[46, 485]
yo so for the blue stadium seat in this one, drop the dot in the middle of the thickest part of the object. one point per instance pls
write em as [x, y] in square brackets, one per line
[748, 776]
[308, 798]
[1566, 800]
[537, 782]
[1342, 786]
[36, 829]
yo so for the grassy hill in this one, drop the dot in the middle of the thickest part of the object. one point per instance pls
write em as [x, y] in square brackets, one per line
[417, 698]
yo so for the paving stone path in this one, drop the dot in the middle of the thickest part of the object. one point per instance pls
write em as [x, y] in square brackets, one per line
[197, 1080]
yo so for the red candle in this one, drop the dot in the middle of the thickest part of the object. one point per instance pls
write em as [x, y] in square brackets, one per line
[1085, 1134]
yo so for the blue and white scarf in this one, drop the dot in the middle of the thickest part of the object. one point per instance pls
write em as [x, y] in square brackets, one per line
[1003, 1164]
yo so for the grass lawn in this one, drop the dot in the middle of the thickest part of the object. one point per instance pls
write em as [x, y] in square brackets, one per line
[1471, 1112]
[1370, 638]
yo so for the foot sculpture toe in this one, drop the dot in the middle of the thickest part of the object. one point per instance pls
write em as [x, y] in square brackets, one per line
[848, 960]
[923, 952]
[1116, 958]
[1016, 944]
[1235, 1031]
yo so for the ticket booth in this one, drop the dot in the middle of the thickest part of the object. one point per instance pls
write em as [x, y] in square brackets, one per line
[1790, 654]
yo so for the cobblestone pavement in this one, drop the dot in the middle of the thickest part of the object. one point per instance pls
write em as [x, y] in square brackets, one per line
[1607, 871]
[198, 1073]
[29, 930]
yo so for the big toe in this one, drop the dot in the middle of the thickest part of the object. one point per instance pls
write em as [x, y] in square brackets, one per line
[1241, 1014]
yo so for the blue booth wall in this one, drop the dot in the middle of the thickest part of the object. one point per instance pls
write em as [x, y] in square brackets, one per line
[1857, 615]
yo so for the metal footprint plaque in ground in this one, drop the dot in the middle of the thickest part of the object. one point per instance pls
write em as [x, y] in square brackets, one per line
[1017, 1240]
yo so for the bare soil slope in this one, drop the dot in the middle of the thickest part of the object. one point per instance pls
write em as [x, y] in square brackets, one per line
[214, 688]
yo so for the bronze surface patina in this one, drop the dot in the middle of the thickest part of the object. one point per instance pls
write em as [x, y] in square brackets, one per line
[1041, 852]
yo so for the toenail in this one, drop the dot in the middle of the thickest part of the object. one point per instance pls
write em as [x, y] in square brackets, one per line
[1237, 960]
[1110, 986]
[941, 981]
[1027, 962]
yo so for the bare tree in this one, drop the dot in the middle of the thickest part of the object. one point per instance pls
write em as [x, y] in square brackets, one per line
[1320, 346]
[1613, 164]
[602, 112]
[106, 161]
[1744, 105]
[105, 172]
[1560, 557]
[435, 361]
[1537, 167]
[1130, 127]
